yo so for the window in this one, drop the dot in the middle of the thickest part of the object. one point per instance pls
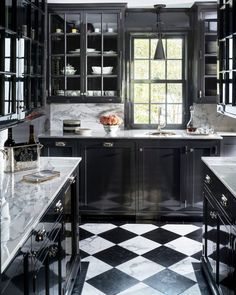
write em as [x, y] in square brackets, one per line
[157, 83]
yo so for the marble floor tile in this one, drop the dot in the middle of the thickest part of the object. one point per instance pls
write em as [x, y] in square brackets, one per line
[185, 268]
[138, 229]
[185, 245]
[94, 244]
[90, 290]
[141, 289]
[161, 235]
[140, 268]
[97, 228]
[181, 229]
[139, 245]
[117, 235]
[194, 290]
[96, 267]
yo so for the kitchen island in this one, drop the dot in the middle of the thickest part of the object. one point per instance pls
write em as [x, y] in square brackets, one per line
[219, 230]
[34, 217]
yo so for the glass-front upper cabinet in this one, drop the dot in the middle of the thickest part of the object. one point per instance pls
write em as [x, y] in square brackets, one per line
[85, 53]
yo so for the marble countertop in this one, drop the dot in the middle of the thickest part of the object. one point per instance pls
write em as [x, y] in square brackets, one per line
[129, 134]
[23, 204]
[225, 169]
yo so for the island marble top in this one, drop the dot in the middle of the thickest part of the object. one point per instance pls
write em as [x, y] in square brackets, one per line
[225, 169]
[129, 134]
[23, 204]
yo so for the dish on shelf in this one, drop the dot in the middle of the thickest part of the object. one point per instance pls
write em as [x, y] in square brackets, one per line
[60, 92]
[68, 71]
[109, 52]
[211, 47]
[93, 52]
[100, 70]
[72, 92]
[91, 49]
[211, 69]
[109, 93]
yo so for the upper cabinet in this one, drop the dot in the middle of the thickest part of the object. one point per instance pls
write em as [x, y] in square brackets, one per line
[86, 52]
[22, 56]
[227, 57]
[204, 66]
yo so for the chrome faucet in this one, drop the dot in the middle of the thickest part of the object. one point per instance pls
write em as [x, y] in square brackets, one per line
[159, 125]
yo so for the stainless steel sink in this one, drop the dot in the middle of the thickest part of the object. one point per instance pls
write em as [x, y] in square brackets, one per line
[162, 133]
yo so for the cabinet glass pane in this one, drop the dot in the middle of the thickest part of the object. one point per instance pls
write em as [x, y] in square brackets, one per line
[58, 44]
[110, 86]
[57, 65]
[73, 23]
[73, 87]
[93, 21]
[7, 94]
[94, 86]
[73, 44]
[110, 44]
[58, 86]
[24, 14]
[57, 23]
[109, 23]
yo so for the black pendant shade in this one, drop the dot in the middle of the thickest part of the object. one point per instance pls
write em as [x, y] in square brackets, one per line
[159, 52]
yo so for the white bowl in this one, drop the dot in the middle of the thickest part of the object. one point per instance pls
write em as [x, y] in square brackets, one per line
[106, 70]
[83, 131]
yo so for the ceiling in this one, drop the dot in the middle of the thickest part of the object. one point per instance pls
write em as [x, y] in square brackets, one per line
[138, 3]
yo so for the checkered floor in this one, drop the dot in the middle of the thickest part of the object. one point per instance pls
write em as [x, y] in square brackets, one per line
[142, 259]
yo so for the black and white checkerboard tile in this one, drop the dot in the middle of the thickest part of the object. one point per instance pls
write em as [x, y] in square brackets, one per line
[142, 259]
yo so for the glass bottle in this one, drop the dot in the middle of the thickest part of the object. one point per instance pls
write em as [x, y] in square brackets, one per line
[10, 141]
[190, 124]
[31, 135]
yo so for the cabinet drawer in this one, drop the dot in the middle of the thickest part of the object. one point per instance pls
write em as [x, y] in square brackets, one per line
[225, 200]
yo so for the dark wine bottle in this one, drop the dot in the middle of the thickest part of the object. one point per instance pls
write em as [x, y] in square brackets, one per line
[10, 141]
[31, 135]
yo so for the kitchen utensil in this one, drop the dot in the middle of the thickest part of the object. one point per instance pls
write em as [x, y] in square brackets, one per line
[69, 126]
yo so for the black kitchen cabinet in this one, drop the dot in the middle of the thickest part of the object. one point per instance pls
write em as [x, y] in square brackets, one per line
[227, 57]
[193, 171]
[22, 58]
[155, 177]
[86, 53]
[159, 173]
[107, 177]
[204, 62]
[228, 146]
[219, 236]
[59, 147]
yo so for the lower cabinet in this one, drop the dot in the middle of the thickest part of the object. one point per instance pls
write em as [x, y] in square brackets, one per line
[107, 177]
[219, 240]
[146, 177]
[48, 262]
[228, 146]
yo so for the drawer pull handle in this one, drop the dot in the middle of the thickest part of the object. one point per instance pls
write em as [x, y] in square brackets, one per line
[53, 251]
[60, 143]
[40, 235]
[224, 200]
[108, 144]
[207, 179]
[58, 207]
[213, 215]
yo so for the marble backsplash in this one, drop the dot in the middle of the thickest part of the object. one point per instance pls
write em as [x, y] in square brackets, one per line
[89, 114]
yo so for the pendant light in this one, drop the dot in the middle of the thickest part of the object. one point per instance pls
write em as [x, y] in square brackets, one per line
[159, 52]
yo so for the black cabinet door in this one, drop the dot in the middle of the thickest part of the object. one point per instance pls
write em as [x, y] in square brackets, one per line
[159, 177]
[107, 181]
[210, 235]
[194, 171]
[58, 148]
[228, 146]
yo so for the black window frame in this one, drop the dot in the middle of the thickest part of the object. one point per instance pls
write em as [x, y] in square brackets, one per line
[130, 66]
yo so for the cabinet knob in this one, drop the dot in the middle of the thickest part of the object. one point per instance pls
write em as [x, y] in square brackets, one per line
[108, 144]
[72, 179]
[207, 179]
[58, 207]
[213, 214]
[140, 149]
[224, 200]
[60, 143]
[40, 235]
[191, 150]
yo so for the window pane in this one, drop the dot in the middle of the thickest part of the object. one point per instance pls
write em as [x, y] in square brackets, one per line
[154, 46]
[141, 69]
[158, 69]
[174, 93]
[141, 93]
[155, 111]
[174, 69]
[158, 93]
[141, 114]
[174, 48]
[141, 48]
[174, 114]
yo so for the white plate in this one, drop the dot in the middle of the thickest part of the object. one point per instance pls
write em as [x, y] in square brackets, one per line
[91, 52]
[109, 52]
[101, 74]
[91, 49]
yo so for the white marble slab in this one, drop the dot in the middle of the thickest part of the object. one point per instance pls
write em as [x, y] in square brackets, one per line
[225, 169]
[129, 134]
[23, 204]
